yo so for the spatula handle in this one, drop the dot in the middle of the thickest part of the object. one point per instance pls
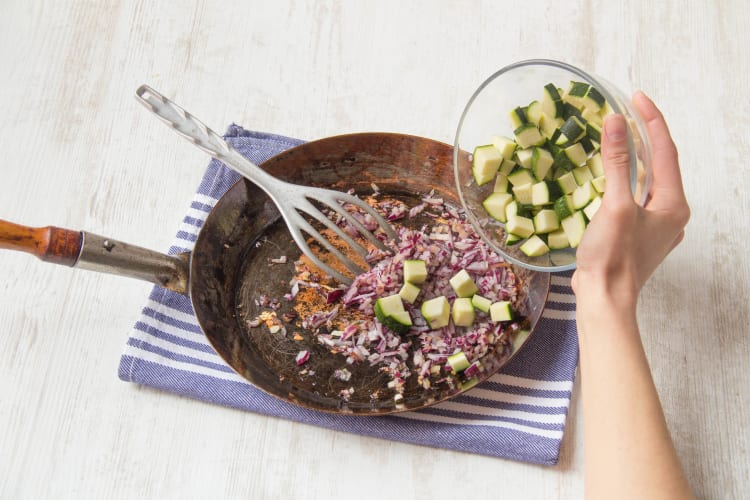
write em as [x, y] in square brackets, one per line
[50, 244]
[200, 135]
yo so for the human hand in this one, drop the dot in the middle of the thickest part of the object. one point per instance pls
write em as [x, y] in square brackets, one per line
[625, 242]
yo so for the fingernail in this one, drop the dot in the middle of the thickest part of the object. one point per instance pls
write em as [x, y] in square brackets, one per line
[614, 127]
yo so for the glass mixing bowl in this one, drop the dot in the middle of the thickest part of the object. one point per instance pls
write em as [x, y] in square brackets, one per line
[486, 115]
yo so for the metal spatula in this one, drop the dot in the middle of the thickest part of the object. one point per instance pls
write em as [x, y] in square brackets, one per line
[292, 200]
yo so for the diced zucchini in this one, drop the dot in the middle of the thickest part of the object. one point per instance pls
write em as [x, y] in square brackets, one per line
[561, 159]
[501, 311]
[546, 221]
[528, 135]
[576, 154]
[436, 311]
[462, 284]
[523, 193]
[501, 184]
[576, 92]
[481, 303]
[582, 174]
[409, 292]
[518, 117]
[511, 209]
[520, 226]
[554, 137]
[390, 312]
[512, 239]
[571, 110]
[539, 194]
[387, 306]
[593, 99]
[589, 146]
[506, 167]
[548, 126]
[574, 226]
[524, 157]
[534, 112]
[552, 92]
[400, 322]
[485, 163]
[552, 104]
[567, 183]
[520, 177]
[600, 184]
[564, 206]
[593, 118]
[505, 145]
[463, 312]
[594, 131]
[570, 131]
[534, 247]
[595, 165]
[415, 271]
[606, 110]
[583, 195]
[495, 205]
[458, 362]
[557, 240]
[544, 193]
[541, 162]
[590, 210]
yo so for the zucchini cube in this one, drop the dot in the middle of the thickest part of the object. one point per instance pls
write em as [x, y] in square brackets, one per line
[463, 312]
[501, 311]
[546, 221]
[436, 311]
[528, 135]
[409, 292]
[523, 193]
[415, 271]
[486, 161]
[505, 145]
[462, 284]
[481, 303]
[534, 247]
[520, 226]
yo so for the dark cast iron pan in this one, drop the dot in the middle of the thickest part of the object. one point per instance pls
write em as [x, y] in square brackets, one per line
[229, 268]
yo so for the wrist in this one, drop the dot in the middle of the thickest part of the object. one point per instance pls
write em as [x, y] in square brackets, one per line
[604, 300]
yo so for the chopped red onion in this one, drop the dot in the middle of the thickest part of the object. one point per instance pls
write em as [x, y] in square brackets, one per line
[302, 357]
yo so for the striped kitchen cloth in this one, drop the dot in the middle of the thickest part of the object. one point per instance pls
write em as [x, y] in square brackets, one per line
[519, 413]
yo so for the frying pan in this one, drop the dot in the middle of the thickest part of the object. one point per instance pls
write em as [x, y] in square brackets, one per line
[228, 269]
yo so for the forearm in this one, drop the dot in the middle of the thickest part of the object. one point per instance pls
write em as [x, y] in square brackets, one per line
[628, 449]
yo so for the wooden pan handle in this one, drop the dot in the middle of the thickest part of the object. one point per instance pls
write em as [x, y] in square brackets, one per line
[50, 244]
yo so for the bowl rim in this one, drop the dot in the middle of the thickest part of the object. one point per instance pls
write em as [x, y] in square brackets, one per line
[602, 85]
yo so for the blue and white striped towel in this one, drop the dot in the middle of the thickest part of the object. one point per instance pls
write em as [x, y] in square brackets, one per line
[518, 414]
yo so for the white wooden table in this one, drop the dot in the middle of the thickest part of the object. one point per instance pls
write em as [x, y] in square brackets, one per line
[79, 152]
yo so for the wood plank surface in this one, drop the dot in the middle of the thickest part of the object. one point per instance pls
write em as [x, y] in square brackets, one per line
[79, 152]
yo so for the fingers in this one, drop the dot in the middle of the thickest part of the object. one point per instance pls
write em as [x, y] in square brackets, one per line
[616, 160]
[667, 178]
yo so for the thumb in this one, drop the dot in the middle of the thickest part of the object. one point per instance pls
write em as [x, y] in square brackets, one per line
[616, 159]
